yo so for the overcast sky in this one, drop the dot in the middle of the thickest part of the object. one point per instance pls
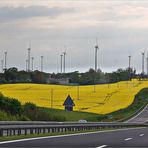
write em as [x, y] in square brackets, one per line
[54, 26]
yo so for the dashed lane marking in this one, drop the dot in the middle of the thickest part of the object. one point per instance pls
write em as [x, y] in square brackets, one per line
[127, 139]
[102, 146]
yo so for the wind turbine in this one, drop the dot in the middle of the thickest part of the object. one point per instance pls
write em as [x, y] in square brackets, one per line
[32, 63]
[61, 62]
[29, 50]
[147, 62]
[5, 60]
[2, 66]
[26, 65]
[42, 63]
[143, 54]
[64, 55]
[129, 62]
[96, 57]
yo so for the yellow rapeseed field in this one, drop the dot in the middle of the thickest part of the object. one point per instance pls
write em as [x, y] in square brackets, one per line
[107, 97]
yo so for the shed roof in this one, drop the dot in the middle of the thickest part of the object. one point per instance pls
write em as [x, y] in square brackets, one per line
[69, 101]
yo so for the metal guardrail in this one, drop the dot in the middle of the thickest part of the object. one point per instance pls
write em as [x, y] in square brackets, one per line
[25, 128]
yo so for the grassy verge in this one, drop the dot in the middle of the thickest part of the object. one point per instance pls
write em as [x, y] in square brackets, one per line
[73, 116]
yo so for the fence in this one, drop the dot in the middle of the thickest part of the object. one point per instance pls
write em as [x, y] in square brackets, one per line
[24, 128]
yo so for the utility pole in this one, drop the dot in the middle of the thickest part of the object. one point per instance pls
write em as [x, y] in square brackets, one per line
[61, 62]
[78, 88]
[78, 92]
[32, 63]
[51, 98]
[42, 63]
[29, 50]
[64, 54]
[94, 86]
[2, 66]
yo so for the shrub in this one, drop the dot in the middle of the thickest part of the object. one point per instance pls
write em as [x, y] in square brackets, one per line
[10, 105]
[29, 106]
[6, 117]
[15, 107]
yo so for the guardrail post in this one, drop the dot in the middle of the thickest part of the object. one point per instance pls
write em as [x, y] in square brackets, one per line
[1, 132]
[48, 130]
[31, 131]
[7, 132]
[13, 132]
[19, 132]
[63, 129]
[10, 134]
[25, 131]
[44, 130]
[36, 130]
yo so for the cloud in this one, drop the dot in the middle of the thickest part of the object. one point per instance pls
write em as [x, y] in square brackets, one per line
[121, 28]
[12, 14]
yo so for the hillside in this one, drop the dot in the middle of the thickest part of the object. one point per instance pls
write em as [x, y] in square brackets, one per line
[106, 99]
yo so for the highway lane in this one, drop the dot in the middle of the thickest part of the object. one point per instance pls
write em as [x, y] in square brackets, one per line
[142, 117]
[136, 138]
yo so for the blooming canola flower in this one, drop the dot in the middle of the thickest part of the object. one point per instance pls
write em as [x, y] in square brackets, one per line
[106, 99]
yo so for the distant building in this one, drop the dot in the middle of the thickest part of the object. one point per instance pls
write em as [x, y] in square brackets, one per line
[63, 81]
[69, 104]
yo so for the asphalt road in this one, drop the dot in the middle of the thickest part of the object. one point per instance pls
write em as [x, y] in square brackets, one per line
[142, 117]
[136, 138]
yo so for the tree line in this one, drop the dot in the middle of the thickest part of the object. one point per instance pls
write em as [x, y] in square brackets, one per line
[12, 75]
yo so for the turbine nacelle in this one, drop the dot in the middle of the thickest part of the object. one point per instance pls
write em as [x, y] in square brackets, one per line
[96, 47]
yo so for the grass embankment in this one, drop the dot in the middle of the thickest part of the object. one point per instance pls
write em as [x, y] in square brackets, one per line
[30, 112]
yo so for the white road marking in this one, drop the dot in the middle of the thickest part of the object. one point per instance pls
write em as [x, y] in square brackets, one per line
[141, 135]
[77, 134]
[127, 139]
[101, 146]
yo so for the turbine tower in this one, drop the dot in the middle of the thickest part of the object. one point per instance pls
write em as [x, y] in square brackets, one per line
[42, 58]
[32, 63]
[147, 62]
[29, 50]
[143, 54]
[2, 65]
[96, 58]
[129, 61]
[26, 65]
[64, 56]
[5, 68]
[61, 62]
